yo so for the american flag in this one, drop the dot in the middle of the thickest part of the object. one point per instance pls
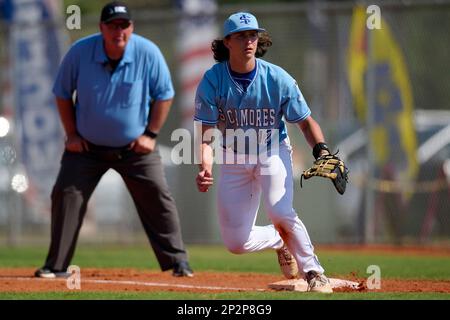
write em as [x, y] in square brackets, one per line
[197, 30]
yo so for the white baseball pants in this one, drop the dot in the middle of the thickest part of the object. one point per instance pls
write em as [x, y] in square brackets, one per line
[239, 191]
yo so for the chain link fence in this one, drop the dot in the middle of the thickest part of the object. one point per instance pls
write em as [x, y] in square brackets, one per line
[312, 42]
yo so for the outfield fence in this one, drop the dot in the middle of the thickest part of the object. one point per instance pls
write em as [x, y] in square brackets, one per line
[399, 186]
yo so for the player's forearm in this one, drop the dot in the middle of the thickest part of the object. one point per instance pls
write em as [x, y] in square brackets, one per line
[207, 158]
[312, 131]
[207, 154]
[158, 114]
[67, 115]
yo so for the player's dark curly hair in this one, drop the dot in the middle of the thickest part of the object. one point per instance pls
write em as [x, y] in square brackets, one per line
[221, 52]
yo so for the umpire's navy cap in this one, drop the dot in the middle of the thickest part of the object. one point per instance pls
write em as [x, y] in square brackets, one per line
[115, 10]
[241, 21]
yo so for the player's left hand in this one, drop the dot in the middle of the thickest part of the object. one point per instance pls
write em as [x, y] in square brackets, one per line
[329, 166]
[143, 145]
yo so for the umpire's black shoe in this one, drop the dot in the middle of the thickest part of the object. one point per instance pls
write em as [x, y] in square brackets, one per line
[182, 269]
[49, 273]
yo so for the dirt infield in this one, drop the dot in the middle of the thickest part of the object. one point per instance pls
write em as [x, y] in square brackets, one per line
[138, 280]
[130, 280]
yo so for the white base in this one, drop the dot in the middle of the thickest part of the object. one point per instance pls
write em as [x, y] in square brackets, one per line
[302, 286]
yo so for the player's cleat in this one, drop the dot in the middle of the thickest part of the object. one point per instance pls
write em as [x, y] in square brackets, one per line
[49, 273]
[182, 269]
[287, 262]
[317, 282]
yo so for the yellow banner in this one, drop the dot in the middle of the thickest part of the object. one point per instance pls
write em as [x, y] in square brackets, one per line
[393, 135]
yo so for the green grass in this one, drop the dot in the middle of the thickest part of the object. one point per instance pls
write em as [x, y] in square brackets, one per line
[216, 258]
[391, 266]
[222, 296]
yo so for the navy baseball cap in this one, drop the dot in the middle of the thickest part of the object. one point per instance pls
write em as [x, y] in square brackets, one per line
[241, 21]
[115, 10]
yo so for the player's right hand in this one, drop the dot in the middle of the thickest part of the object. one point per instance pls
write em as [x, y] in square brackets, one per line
[204, 180]
[75, 143]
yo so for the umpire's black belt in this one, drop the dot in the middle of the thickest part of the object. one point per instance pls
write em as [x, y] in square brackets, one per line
[109, 153]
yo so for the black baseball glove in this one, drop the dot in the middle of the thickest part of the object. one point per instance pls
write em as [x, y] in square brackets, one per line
[329, 166]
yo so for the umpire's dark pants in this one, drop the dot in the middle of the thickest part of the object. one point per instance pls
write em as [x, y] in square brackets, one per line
[144, 178]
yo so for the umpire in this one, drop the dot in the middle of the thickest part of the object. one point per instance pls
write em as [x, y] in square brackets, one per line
[113, 92]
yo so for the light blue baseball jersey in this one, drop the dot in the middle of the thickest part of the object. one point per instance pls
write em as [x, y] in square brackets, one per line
[272, 96]
[112, 108]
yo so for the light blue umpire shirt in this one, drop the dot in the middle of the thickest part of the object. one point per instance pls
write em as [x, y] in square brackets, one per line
[112, 108]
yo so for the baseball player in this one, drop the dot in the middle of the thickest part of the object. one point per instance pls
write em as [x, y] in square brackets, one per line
[244, 94]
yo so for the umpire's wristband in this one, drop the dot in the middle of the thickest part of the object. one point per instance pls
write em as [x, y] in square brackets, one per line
[150, 134]
[319, 147]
